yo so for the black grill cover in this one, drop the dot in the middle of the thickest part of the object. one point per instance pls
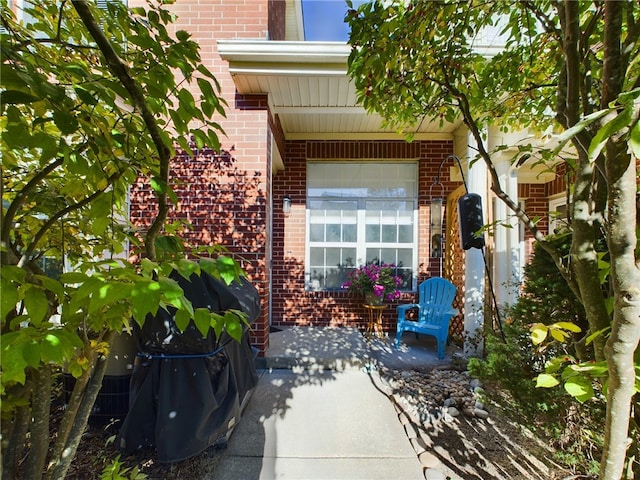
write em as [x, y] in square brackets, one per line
[187, 390]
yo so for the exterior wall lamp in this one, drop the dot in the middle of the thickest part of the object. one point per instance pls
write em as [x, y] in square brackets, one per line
[436, 226]
[286, 205]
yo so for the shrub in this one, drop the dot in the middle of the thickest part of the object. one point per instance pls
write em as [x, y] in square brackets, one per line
[512, 366]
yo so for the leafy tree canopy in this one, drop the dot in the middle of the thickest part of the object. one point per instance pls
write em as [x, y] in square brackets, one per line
[562, 69]
[91, 101]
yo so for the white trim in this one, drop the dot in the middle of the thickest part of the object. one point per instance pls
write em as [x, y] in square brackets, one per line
[270, 52]
[554, 202]
[360, 245]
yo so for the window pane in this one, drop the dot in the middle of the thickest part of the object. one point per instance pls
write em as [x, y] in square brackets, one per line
[349, 257]
[373, 233]
[405, 233]
[405, 257]
[335, 278]
[388, 255]
[332, 258]
[316, 232]
[373, 255]
[333, 233]
[349, 233]
[389, 233]
[316, 256]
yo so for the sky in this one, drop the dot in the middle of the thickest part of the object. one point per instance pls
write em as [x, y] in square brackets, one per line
[324, 20]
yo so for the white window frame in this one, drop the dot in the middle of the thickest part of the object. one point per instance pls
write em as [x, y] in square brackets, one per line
[361, 244]
[555, 203]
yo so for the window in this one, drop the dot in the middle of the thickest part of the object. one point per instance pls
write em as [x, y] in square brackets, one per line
[558, 218]
[360, 213]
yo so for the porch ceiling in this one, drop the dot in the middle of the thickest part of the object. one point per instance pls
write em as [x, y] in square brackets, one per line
[309, 90]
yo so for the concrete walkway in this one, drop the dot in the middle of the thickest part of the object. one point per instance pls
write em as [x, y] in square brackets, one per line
[318, 411]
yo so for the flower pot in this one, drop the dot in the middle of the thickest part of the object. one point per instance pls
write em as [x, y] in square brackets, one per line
[372, 299]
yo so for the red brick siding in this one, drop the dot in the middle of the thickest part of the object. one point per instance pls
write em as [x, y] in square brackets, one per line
[559, 184]
[226, 197]
[277, 26]
[291, 304]
[225, 205]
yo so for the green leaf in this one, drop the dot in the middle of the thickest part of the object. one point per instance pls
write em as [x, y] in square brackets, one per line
[580, 388]
[148, 266]
[228, 269]
[169, 243]
[15, 97]
[202, 319]
[73, 278]
[544, 380]
[634, 140]
[170, 288]
[183, 35]
[554, 364]
[187, 102]
[13, 273]
[12, 359]
[160, 186]
[538, 333]
[52, 349]
[233, 324]
[37, 305]
[186, 268]
[31, 353]
[108, 293]
[65, 122]
[594, 335]
[145, 299]
[600, 139]
[8, 298]
[182, 319]
[100, 225]
[572, 327]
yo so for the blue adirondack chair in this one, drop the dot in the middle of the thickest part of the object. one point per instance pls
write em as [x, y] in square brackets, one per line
[435, 309]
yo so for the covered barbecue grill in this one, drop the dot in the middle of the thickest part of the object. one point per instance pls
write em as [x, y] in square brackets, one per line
[187, 391]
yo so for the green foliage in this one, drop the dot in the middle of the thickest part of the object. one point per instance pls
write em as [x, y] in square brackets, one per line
[513, 365]
[538, 352]
[568, 73]
[546, 297]
[90, 102]
[405, 81]
[116, 471]
[512, 368]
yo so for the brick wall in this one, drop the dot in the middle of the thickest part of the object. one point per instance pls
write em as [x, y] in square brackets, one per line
[277, 13]
[225, 195]
[291, 304]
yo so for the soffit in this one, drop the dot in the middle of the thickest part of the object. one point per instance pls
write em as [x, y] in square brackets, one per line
[309, 90]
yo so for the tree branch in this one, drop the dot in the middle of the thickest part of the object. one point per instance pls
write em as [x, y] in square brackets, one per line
[20, 199]
[118, 67]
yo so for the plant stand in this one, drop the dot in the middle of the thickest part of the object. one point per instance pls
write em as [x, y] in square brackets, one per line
[374, 321]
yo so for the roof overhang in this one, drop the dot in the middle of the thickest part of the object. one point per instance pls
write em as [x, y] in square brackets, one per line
[309, 91]
[312, 97]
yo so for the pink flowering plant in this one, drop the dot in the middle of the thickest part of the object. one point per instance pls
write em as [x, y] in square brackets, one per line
[379, 280]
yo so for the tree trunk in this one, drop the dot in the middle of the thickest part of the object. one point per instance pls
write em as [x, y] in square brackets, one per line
[70, 413]
[60, 465]
[621, 173]
[16, 432]
[39, 431]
